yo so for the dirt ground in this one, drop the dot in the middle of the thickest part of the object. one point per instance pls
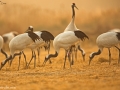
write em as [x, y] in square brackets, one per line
[98, 76]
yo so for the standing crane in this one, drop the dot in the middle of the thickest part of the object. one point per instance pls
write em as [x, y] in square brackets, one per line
[72, 27]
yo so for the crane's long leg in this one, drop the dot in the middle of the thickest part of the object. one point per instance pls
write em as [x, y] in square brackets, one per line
[11, 61]
[3, 52]
[24, 58]
[5, 61]
[19, 62]
[20, 59]
[47, 48]
[71, 54]
[34, 59]
[119, 54]
[16, 54]
[49, 51]
[65, 59]
[38, 51]
[67, 54]
[69, 58]
[82, 52]
[109, 56]
[75, 50]
[33, 56]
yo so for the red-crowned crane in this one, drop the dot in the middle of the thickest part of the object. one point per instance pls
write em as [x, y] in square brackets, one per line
[106, 40]
[7, 37]
[1, 46]
[65, 40]
[19, 43]
[72, 27]
[45, 39]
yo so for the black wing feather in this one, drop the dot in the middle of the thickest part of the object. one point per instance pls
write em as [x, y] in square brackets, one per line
[33, 36]
[118, 35]
[81, 35]
[47, 36]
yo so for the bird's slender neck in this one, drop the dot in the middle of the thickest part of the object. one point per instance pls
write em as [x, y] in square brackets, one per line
[5, 61]
[50, 56]
[9, 58]
[73, 12]
[53, 55]
[4, 53]
[94, 54]
[83, 52]
[16, 54]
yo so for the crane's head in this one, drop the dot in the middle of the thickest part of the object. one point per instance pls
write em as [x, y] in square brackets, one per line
[30, 29]
[5, 61]
[1, 65]
[49, 56]
[15, 33]
[46, 59]
[73, 5]
[91, 57]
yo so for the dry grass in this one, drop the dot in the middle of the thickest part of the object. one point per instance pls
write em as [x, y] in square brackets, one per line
[97, 76]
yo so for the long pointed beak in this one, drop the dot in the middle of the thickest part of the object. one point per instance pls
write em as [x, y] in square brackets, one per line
[1, 65]
[83, 57]
[44, 62]
[5, 61]
[76, 7]
[27, 30]
[90, 61]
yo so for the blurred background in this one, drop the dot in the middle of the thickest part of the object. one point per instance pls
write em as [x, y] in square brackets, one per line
[93, 17]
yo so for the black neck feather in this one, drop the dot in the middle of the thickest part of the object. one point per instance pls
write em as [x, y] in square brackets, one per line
[118, 35]
[80, 49]
[4, 53]
[96, 53]
[16, 54]
[3, 63]
[73, 11]
[52, 55]
[9, 58]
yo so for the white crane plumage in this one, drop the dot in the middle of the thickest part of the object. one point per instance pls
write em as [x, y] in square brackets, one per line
[1, 46]
[72, 27]
[7, 37]
[106, 40]
[115, 30]
[19, 43]
[65, 40]
[45, 39]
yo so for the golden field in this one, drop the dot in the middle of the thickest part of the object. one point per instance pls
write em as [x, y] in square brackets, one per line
[98, 76]
[93, 18]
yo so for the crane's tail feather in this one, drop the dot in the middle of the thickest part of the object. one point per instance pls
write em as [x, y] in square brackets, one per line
[46, 36]
[81, 35]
